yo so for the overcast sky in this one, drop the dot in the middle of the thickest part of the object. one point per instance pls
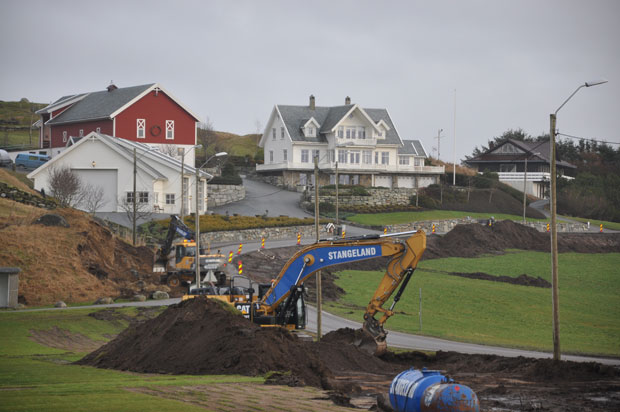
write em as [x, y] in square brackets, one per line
[509, 63]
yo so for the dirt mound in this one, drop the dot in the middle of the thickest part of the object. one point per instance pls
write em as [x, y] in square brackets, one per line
[78, 263]
[522, 280]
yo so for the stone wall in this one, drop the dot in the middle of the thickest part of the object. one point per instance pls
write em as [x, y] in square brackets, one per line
[223, 194]
[378, 197]
[12, 193]
[273, 233]
[443, 226]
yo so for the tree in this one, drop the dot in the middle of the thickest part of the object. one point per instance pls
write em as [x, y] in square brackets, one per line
[518, 134]
[65, 186]
[143, 209]
[206, 137]
[92, 198]
[169, 150]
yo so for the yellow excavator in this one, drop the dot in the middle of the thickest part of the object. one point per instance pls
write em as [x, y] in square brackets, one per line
[281, 303]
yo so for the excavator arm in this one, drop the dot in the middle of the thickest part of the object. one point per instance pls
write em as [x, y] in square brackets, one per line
[405, 256]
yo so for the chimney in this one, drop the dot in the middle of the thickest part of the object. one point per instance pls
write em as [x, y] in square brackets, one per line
[347, 100]
[112, 86]
[311, 102]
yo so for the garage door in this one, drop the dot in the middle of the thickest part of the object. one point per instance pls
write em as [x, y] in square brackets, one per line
[383, 181]
[406, 181]
[4, 291]
[106, 179]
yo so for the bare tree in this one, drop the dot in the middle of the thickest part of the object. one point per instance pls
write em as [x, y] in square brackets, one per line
[206, 137]
[170, 150]
[65, 186]
[92, 198]
[143, 209]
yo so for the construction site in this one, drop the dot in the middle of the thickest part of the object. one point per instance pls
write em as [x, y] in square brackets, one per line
[201, 336]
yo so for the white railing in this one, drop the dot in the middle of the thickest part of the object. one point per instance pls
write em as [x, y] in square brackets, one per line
[531, 176]
[340, 142]
[347, 167]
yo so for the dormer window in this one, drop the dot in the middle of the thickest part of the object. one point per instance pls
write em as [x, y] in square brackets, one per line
[310, 131]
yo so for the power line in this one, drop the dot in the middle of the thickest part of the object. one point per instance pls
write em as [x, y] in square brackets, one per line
[585, 138]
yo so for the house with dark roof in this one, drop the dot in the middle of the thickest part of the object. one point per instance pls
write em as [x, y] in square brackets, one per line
[510, 160]
[146, 113]
[361, 145]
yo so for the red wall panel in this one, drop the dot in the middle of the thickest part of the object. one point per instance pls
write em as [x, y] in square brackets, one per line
[156, 109]
[74, 130]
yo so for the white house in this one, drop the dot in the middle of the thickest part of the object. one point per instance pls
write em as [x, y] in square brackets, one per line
[362, 144]
[108, 162]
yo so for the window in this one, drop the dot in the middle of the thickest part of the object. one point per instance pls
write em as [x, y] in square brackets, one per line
[304, 156]
[282, 133]
[348, 133]
[367, 157]
[81, 132]
[284, 155]
[143, 197]
[310, 131]
[271, 156]
[169, 198]
[353, 133]
[64, 136]
[169, 129]
[385, 158]
[303, 179]
[343, 179]
[141, 126]
[342, 156]
[98, 130]
[273, 133]
[354, 157]
[315, 154]
[340, 132]
[403, 160]
[355, 180]
[332, 179]
[361, 132]
[416, 161]
[376, 158]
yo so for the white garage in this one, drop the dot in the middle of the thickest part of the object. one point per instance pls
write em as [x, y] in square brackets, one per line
[107, 179]
[383, 181]
[406, 182]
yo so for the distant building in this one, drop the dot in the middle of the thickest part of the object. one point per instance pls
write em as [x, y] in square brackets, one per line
[147, 114]
[363, 143]
[106, 162]
[508, 160]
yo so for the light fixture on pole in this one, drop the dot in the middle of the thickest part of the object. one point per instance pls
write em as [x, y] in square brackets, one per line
[198, 184]
[183, 153]
[525, 181]
[554, 231]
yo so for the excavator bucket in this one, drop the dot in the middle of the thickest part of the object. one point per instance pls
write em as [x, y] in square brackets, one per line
[373, 341]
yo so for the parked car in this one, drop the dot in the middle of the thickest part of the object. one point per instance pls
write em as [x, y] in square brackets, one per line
[5, 159]
[30, 160]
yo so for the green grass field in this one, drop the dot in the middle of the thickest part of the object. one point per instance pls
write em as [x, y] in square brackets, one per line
[379, 219]
[596, 223]
[503, 314]
[34, 377]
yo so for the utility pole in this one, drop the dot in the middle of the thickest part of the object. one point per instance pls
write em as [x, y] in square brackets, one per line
[197, 255]
[454, 133]
[133, 218]
[336, 193]
[439, 143]
[182, 149]
[319, 300]
[554, 245]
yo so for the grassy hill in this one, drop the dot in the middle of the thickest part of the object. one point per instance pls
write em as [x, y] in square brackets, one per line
[15, 121]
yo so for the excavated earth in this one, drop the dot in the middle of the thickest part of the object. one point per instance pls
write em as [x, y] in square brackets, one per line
[200, 336]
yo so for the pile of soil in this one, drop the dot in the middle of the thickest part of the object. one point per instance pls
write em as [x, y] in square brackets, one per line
[200, 336]
[82, 262]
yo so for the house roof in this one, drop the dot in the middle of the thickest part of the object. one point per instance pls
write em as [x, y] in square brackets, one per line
[295, 117]
[146, 156]
[542, 150]
[412, 147]
[99, 105]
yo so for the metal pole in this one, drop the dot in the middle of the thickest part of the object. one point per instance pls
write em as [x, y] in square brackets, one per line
[337, 193]
[182, 183]
[524, 187]
[554, 247]
[319, 300]
[197, 255]
[420, 309]
[133, 218]
[454, 133]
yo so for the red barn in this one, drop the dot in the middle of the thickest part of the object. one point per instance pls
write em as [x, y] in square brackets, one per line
[147, 114]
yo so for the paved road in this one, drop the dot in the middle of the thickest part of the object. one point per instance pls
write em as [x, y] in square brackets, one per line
[331, 322]
[261, 198]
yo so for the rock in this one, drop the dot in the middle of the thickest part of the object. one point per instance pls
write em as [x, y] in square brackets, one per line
[52, 220]
[138, 298]
[104, 301]
[20, 306]
[60, 304]
[159, 295]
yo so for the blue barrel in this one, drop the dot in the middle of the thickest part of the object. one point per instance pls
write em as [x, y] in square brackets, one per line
[427, 390]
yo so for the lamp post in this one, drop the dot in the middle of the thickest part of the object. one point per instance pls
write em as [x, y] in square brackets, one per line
[525, 181]
[554, 232]
[198, 184]
[182, 150]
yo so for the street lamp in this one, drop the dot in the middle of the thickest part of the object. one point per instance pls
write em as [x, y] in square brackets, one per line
[198, 184]
[182, 150]
[554, 232]
[525, 180]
